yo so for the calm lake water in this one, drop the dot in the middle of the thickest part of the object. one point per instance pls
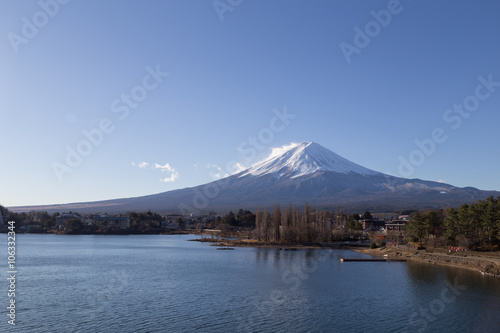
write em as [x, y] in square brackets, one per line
[159, 283]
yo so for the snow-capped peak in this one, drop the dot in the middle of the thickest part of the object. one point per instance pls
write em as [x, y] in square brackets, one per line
[304, 159]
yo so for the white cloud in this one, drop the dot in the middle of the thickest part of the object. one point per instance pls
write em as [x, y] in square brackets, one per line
[239, 167]
[171, 179]
[143, 165]
[276, 151]
[219, 175]
[164, 168]
[171, 176]
[216, 172]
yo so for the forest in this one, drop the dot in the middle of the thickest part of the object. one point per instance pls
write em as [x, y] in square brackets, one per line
[473, 226]
[308, 225]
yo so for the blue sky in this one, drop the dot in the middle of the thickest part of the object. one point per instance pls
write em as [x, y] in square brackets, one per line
[174, 94]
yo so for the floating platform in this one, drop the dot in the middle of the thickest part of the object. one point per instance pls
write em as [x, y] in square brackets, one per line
[225, 248]
[369, 259]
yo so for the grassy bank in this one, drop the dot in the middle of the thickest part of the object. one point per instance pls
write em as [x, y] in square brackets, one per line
[487, 263]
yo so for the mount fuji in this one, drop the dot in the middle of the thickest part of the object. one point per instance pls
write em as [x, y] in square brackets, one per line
[304, 159]
[306, 172]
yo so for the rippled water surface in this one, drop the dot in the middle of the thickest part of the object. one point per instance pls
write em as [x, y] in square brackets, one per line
[159, 283]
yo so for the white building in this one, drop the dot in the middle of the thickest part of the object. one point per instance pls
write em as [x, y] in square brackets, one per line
[105, 221]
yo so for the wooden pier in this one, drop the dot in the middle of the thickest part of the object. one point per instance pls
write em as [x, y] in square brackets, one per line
[369, 259]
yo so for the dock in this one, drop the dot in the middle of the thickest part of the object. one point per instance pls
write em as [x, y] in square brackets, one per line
[369, 259]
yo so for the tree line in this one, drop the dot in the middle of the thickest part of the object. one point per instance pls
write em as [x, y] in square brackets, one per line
[290, 225]
[43, 222]
[474, 226]
[307, 225]
[43, 219]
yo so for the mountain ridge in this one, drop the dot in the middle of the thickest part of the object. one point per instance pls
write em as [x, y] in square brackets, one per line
[306, 158]
[306, 172]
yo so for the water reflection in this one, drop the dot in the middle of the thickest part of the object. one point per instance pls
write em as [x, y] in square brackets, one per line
[194, 287]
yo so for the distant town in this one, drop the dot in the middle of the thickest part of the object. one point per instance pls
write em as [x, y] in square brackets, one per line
[103, 223]
[473, 226]
[242, 222]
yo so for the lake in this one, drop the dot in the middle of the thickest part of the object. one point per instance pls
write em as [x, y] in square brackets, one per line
[164, 283]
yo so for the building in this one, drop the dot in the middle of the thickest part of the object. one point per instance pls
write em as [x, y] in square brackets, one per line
[89, 222]
[372, 224]
[396, 225]
[105, 221]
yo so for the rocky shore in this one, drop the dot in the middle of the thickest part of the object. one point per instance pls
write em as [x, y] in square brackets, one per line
[483, 263]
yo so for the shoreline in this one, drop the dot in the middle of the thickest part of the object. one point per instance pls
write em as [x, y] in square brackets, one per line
[263, 244]
[474, 261]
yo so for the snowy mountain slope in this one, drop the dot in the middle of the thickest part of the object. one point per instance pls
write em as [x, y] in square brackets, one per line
[306, 172]
[305, 159]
